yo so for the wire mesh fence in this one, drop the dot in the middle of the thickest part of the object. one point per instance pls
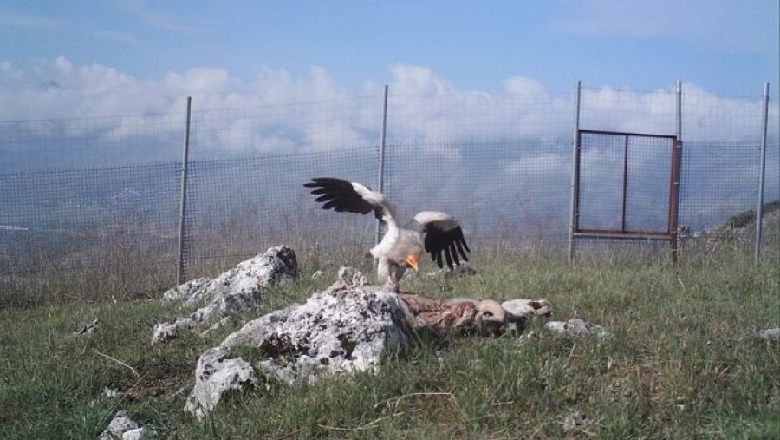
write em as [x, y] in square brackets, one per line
[75, 194]
[507, 193]
[243, 206]
[626, 183]
[88, 143]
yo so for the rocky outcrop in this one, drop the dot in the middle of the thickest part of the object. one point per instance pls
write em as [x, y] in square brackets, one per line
[276, 265]
[347, 328]
[236, 290]
[338, 330]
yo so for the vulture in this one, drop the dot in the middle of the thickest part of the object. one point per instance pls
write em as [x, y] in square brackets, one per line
[434, 232]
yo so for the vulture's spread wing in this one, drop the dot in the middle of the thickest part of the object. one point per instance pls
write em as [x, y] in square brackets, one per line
[345, 196]
[443, 236]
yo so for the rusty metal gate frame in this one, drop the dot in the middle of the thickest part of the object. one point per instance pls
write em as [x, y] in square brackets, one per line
[670, 234]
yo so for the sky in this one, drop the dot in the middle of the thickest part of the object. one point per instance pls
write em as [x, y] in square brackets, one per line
[726, 47]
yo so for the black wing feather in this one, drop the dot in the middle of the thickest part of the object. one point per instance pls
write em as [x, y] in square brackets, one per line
[437, 258]
[451, 243]
[454, 252]
[339, 195]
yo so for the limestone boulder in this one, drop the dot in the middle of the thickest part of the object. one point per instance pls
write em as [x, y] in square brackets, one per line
[216, 374]
[236, 290]
[344, 329]
[334, 331]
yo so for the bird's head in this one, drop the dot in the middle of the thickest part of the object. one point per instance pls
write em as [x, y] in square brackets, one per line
[413, 260]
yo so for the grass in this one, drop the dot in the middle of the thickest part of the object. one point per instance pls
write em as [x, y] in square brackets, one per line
[679, 364]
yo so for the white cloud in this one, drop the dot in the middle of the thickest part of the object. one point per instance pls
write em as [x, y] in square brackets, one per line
[523, 85]
[416, 80]
[198, 81]
[325, 135]
[431, 108]
[10, 74]
[315, 112]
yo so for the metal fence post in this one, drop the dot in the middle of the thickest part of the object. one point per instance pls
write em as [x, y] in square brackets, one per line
[183, 199]
[382, 147]
[761, 174]
[574, 207]
[676, 171]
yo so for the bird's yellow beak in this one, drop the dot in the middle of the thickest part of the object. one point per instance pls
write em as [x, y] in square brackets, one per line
[413, 261]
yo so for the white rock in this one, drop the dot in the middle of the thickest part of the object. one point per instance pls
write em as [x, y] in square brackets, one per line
[124, 427]
[186, 290]
[227, 320]
[238, 289]
[138, 434]
[575, 420]
[87, 329]
[216, 374]
[770, 334]
[164, 332]
[577, 327]
[111, 393]
[240, 285]
[344, 329]
[349, 277]
[334, 331]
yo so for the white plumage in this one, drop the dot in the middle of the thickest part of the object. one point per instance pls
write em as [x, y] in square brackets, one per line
[436, 233]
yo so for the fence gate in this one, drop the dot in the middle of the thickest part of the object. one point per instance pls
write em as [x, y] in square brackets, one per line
[625, 186]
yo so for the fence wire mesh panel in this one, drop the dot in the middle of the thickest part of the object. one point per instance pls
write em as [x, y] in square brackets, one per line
[720, 173]
[711, 198]
[629, 111]
[298, 128]
[239, 208]
[91, 201]
[504, 193]
[98, 197]
[90, 142]
[719, 191]
[771, 220]
[116, 223]
[245, 196]
[707, 117]
[498, 163]
[476, 117]
[625, 183]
